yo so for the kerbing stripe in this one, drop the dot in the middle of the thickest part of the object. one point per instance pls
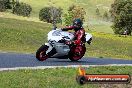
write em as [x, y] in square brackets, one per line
[69, 66]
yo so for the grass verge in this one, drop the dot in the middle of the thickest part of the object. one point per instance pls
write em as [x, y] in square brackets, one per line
[22, 36]
[111, 46]
[58, 77]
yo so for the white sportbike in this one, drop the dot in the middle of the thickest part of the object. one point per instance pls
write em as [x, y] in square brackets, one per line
[57, 47]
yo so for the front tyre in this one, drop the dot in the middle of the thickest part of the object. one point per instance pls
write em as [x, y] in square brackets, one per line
[41, 53]
[77, 52]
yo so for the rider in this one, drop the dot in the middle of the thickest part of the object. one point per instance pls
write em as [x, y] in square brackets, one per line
[79, 32]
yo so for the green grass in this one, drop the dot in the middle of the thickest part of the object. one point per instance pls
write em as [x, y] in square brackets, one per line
[39, 4]
[111, 46]
[55, 78]
[89, 5]
[96, 24]
[27, 37]
[101, 27]
[22, 36]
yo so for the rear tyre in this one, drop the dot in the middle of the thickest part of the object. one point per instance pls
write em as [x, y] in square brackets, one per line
[41, 53]
[77, 52]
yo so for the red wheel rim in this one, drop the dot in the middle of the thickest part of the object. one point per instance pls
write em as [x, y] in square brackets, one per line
[78, 52]
[43, 56]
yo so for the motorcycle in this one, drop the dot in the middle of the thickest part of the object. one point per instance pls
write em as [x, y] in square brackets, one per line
[57, 47]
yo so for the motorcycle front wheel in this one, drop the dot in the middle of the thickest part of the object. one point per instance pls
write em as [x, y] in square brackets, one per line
[41, 53]
[77, 52]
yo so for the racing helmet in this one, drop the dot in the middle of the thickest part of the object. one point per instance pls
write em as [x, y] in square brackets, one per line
[77, 23]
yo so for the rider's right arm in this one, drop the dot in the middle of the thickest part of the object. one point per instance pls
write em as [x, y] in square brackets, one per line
[67, 28]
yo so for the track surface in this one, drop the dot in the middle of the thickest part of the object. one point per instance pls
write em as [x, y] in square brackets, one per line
[11, 60]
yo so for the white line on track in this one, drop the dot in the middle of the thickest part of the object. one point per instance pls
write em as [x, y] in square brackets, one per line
[69, 66]
[15, 52]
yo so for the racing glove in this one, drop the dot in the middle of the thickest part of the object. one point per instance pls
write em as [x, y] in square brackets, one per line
[69, 43]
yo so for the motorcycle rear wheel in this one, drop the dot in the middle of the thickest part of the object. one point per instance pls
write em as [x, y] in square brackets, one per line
[41, 53]
[77, 52]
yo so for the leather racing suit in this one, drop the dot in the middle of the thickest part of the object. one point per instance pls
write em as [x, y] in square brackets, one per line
[79, 34]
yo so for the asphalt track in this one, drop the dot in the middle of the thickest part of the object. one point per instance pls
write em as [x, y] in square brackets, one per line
[12, 60]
